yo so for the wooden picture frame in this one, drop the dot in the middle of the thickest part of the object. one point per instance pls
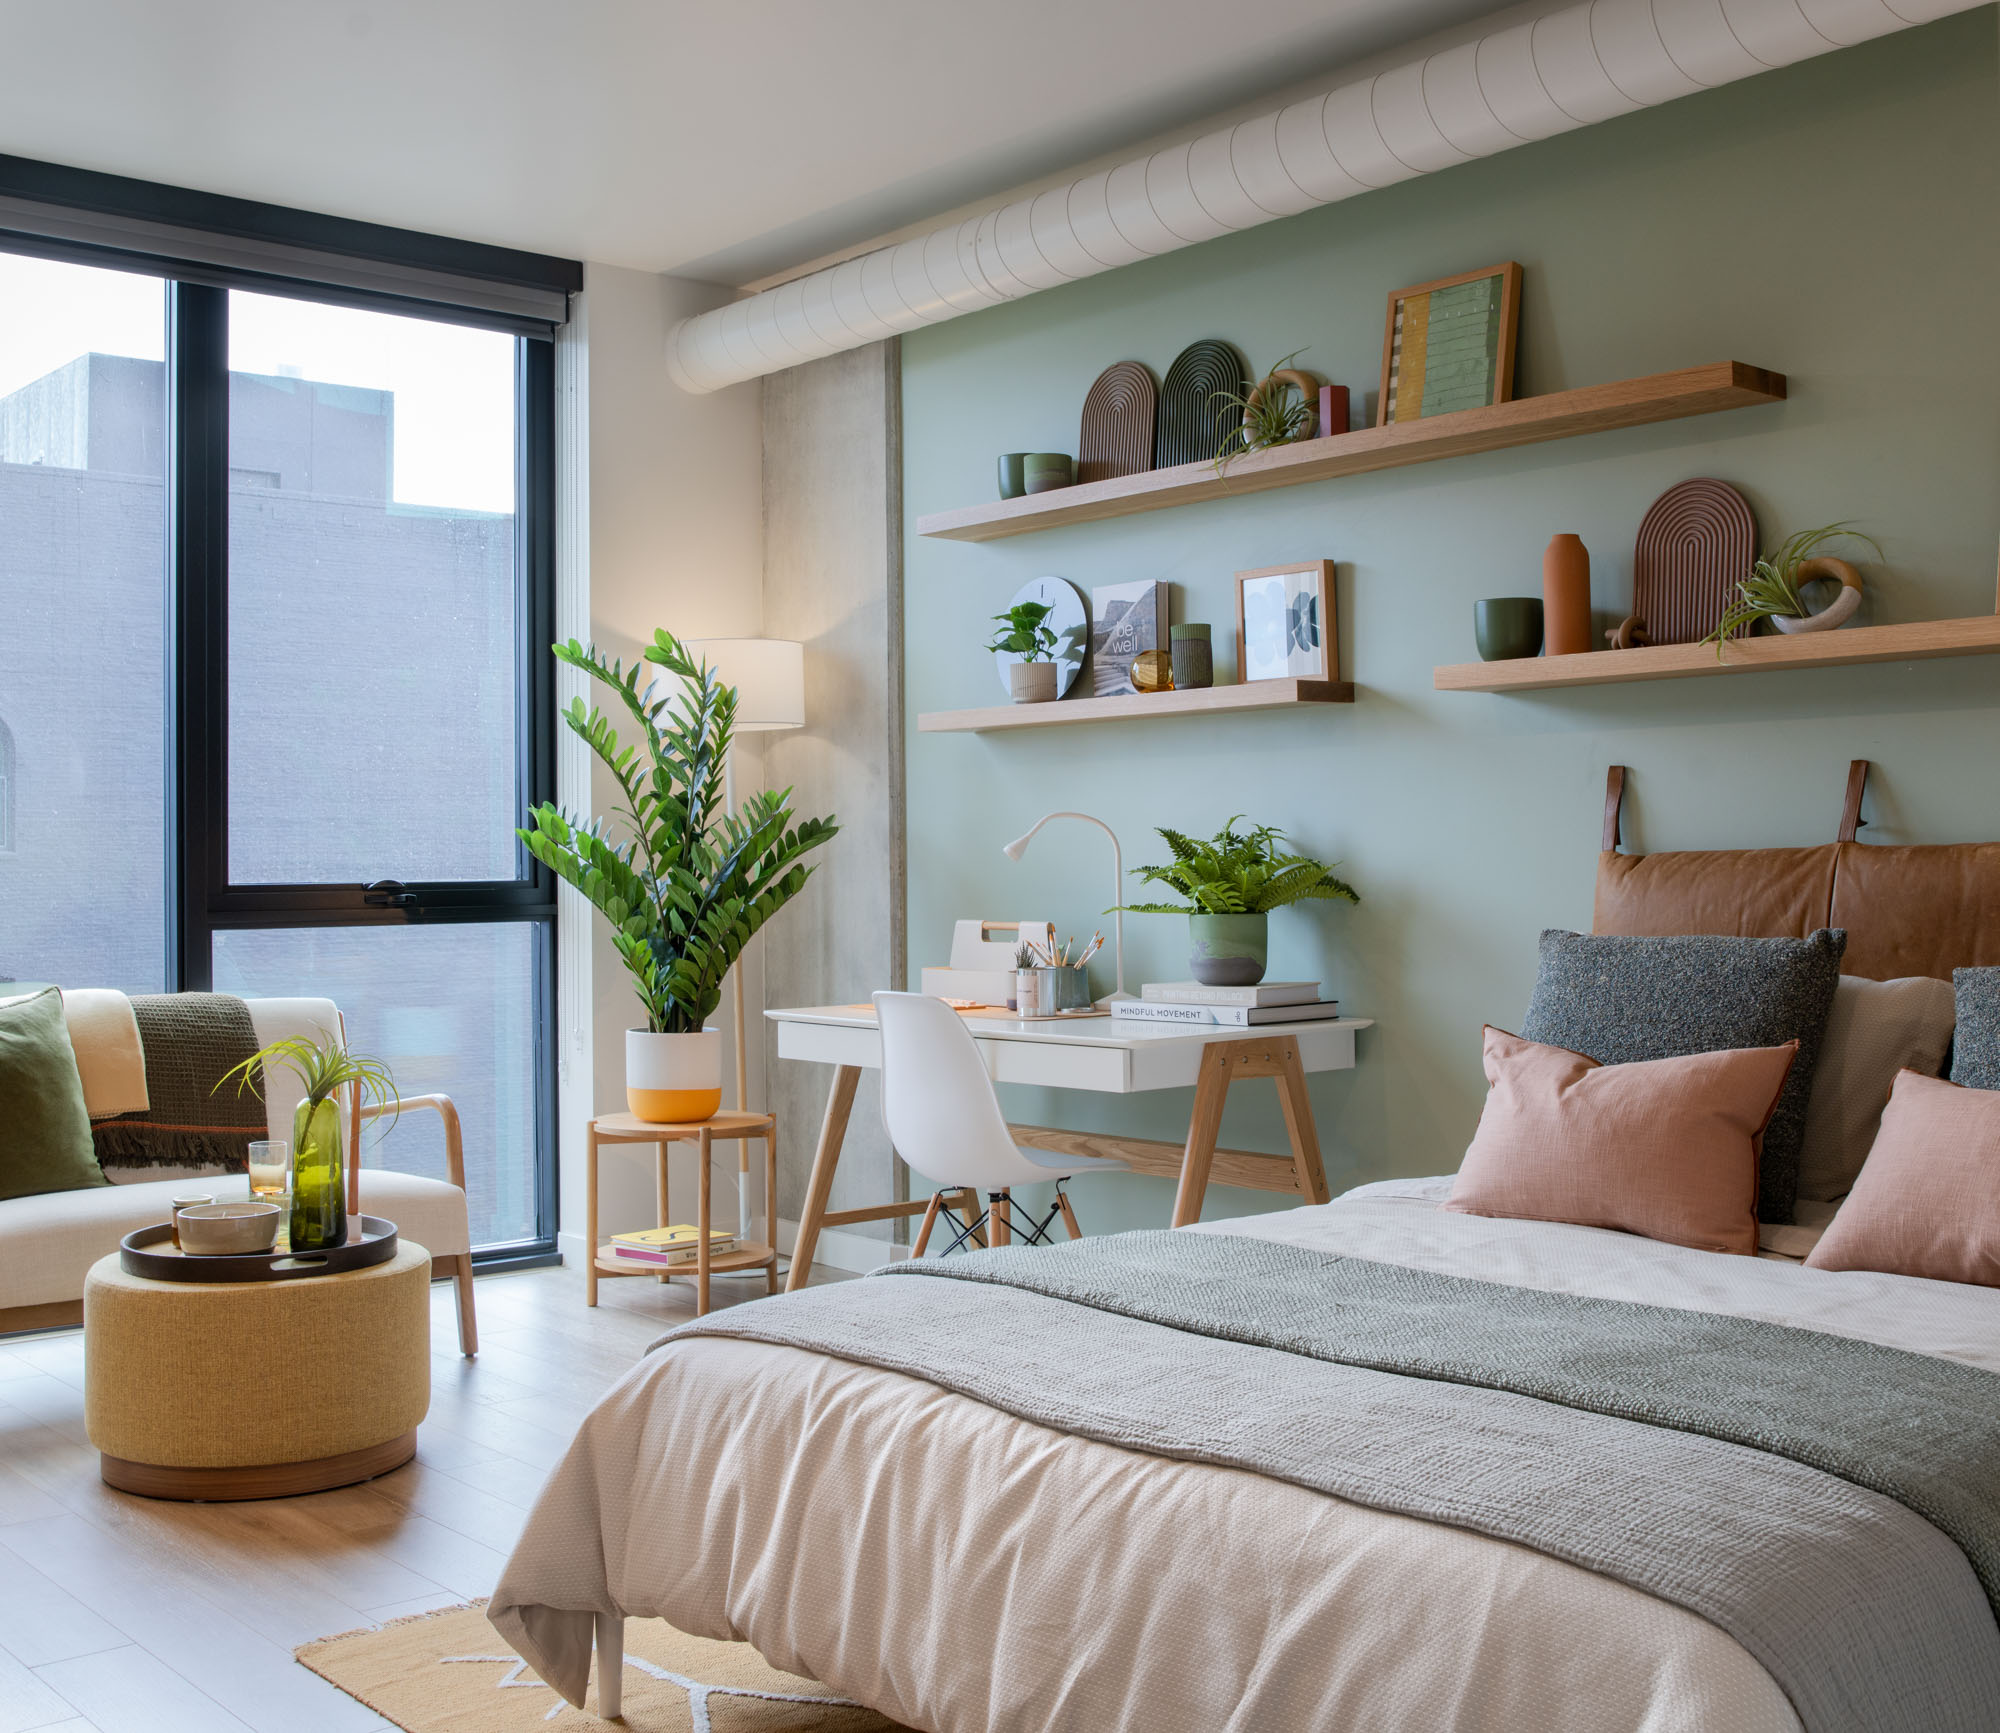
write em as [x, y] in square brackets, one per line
[1409, 318]
[1277, 638]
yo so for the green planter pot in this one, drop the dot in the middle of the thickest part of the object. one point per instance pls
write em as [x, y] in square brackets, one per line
[319, 1179]
[1227, 950]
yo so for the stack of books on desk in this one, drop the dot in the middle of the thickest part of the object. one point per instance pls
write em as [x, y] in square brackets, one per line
[675, 1245]
[1189, 1002]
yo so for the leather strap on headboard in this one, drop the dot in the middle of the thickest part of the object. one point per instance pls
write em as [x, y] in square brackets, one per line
[1922, 910]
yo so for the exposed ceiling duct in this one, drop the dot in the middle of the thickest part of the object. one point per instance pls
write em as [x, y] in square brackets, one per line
[1532, 80]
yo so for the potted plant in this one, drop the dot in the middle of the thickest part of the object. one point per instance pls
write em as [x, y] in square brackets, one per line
[319, 1135]
[1775, 588]
[1025, 633]
[684, 888]
[1231, 884]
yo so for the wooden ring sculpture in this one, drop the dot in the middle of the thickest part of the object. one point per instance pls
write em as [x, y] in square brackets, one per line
[1837, 612]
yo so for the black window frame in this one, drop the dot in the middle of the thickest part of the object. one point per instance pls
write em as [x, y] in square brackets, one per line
[200, 899]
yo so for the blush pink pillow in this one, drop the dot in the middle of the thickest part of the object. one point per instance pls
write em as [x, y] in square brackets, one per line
[1667, 1148]
[1928, 1199]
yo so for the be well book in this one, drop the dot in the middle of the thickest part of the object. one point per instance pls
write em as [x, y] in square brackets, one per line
[1264, 993]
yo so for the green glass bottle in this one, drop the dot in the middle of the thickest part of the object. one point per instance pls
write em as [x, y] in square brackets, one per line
[319, 1172]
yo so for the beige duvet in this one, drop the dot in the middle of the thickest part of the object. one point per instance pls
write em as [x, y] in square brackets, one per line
[966, 1572]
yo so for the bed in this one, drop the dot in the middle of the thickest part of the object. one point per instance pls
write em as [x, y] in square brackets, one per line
[1370, 1464]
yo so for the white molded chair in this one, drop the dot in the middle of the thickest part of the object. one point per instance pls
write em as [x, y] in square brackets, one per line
[941, 1114]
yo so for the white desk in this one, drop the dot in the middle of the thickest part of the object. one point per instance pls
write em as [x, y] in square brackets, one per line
[1106, 1056]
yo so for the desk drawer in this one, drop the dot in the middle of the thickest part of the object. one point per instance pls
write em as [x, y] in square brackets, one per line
[1107, 1069]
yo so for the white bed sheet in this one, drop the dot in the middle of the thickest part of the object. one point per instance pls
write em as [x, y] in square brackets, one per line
[967, 1572]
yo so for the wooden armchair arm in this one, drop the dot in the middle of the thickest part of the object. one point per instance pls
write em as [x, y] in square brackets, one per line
[454, 1142]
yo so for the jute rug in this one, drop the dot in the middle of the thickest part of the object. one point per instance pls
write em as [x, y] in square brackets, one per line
[449, 1672]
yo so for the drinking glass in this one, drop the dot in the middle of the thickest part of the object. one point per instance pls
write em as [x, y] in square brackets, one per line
[270, 1169]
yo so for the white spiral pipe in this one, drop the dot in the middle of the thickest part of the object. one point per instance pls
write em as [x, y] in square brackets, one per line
[1563, 70]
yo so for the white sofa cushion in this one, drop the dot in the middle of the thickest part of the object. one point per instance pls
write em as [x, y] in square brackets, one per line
[48, 1242]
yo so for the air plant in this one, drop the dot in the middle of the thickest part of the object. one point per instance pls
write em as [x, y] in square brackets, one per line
[1773, 588]
[324, 1067]
[1238, 873]
[1278, 410]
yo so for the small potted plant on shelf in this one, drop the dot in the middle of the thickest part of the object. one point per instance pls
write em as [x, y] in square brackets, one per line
[688, 886]
[1231, 884]
[1775, 589]
[1025, 632]
[325, 1068]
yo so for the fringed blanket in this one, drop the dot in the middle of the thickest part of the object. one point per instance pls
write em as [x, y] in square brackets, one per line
[191, 1040]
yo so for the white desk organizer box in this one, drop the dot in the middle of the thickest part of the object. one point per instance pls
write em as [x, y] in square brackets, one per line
[982, 960]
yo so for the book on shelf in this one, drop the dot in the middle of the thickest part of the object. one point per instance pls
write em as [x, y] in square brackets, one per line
[1264, 993]
[1226, 1016]
[673, 1245]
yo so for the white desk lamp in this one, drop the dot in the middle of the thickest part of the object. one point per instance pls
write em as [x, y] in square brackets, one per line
[769, 675]
[1019, 846]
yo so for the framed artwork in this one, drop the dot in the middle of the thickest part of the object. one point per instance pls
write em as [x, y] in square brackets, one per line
[1125, 620]
[1450, 345]
[1284, 623]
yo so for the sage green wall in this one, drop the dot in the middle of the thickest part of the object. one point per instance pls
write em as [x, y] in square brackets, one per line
[1834, 221]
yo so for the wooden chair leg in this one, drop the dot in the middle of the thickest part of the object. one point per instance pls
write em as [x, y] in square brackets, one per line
[999, 1227]
[468, 1319]
[1069, 1216]
[930, 1221]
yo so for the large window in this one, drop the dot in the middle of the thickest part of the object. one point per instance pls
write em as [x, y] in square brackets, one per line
[275, 603]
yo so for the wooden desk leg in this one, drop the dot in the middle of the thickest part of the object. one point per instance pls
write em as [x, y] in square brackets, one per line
[590, 1214]
[1211, 1090]
[660, 1197]
[1299, 1129]
[832, 1133]
[771, 1204]
[701, 1230]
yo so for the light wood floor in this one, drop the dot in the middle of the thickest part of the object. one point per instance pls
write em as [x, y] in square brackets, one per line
[127, 1615]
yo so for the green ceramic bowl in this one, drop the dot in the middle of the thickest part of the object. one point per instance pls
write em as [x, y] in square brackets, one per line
[1043, 470]
[1508, 628]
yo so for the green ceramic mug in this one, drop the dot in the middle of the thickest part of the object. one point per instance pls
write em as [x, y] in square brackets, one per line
[1045, 470]
[1013, 483]
[1508, 628]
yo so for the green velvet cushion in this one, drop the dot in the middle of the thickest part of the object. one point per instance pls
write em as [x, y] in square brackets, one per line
[47, 1142]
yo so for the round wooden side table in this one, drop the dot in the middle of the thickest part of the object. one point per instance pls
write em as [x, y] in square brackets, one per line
[720, 1128]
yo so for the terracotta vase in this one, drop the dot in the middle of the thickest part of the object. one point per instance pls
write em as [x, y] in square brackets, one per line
[1566, 596]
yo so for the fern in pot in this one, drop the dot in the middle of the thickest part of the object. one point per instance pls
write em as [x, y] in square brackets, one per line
[684, 885]
[1230, 884]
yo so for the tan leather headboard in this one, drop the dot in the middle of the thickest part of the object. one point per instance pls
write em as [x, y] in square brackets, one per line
[1907, 910]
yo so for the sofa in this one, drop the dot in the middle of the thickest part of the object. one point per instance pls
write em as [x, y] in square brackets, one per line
[49, 1240]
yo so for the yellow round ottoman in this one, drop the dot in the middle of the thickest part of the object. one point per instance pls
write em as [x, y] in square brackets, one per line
[229, 1390]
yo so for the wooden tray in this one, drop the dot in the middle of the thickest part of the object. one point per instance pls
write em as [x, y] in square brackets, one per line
[151, 1252]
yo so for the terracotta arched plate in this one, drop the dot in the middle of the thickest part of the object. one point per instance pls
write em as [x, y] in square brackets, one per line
[1118, 423]
[1696, 543]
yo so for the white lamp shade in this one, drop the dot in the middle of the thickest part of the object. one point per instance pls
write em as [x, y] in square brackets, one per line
[769, 675]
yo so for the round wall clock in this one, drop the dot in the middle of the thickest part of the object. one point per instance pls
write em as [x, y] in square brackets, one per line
[1070, 622]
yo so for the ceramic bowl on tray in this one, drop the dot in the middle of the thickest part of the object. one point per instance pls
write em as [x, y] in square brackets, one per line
[228, 1230]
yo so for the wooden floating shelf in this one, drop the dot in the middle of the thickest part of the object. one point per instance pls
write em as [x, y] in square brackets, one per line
[1979, 635]
[1205, 700]
[1526, 421]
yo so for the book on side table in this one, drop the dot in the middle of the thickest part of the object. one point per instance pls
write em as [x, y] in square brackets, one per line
[1192, 1005]
[674, 1245]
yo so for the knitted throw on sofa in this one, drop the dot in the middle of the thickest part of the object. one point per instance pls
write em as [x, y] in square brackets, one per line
[191, 1041]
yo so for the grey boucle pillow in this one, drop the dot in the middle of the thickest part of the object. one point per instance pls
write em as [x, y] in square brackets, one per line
[1975, 1050]
[1619, 1000]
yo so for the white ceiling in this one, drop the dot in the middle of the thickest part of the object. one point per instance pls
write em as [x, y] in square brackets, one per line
[723, 141]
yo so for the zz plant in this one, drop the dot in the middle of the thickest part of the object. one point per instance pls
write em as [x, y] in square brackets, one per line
[1246, 872]
[684, 886]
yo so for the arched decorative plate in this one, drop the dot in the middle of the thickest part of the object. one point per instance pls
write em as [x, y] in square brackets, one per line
[1070, 622]
[1193, 426]
[1118, 423]
[1696, 542]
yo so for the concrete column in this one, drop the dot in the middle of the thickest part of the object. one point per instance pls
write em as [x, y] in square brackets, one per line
[833, 577]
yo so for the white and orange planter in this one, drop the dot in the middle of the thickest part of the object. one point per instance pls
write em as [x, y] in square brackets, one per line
[673, 1079]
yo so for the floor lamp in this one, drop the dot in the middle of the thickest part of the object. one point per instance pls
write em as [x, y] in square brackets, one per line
[769, 675]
